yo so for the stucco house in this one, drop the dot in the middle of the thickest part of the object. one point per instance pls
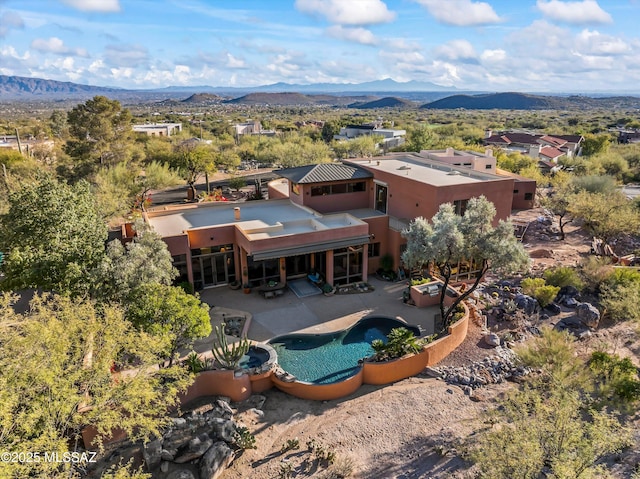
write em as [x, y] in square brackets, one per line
[338, 219]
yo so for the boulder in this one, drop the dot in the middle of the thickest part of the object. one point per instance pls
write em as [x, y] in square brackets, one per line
[215, 460]
[588, 315]
[526, 303]
[553, 309]
[196, 449]
[151, 453]
[181, 474]
[492, 339]
[224, 429]
[570, 302]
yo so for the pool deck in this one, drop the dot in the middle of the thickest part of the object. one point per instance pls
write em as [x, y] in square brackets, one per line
[312, 314]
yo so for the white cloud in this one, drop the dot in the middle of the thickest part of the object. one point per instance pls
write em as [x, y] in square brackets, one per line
[456, 50]
[348, 12]
[233, 62]
[402, 44]
[578, 12]
[461, 13]
[9, 21]
[104, 6]
[56, 46]
[358, 35]
[598, 44]
[493, 56]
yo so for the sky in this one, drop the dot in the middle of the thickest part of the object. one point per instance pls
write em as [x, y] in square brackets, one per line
[495, 45]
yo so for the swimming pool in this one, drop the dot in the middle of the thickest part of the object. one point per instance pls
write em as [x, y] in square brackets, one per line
[332, 357]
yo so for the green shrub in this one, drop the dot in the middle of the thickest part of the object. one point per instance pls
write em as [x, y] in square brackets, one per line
[244, 439]
[417, 282]
[624, 277]
[621, 301]
[530, 285]
[616, 378]
[563, 276]
[538, 289]
[595, 270]
[400, 341]
[545, 294]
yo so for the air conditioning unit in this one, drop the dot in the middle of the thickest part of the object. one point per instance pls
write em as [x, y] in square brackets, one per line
[430, 289]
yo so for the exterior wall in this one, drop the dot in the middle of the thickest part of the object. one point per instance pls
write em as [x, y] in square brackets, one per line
[500, 193]
[320, 392]
[332, 203]
[523, 187]
[441, 348]
[218, 383]
[378, 232]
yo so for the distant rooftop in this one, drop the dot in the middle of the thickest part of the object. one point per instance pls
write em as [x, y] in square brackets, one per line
[323, 172]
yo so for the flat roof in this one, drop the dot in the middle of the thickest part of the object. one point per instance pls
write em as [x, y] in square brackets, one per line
[258, 219]
[431, 172]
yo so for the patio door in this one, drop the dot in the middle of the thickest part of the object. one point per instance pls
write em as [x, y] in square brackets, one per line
[298, 266]
[213, 269]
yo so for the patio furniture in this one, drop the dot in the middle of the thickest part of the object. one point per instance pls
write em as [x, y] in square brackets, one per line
[315, 278]
[272, 289]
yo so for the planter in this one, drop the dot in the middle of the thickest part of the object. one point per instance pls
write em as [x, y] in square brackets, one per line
[246, 290]
[234, 285]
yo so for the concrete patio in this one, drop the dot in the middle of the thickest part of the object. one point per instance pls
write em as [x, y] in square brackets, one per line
[313, 314]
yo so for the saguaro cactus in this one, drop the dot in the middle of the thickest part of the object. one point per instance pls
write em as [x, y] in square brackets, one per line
[228, 355]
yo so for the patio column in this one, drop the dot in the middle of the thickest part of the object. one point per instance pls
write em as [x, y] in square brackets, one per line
[244, 266]
[189, 267]
[283, 270]
[329, 267]
[365, 261]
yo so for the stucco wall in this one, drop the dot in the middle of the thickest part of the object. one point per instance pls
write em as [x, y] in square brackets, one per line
[320, 392]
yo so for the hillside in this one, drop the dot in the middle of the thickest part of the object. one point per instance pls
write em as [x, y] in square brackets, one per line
[16, 87]
[203, 99]
[524, 101]
[291, 99]
[386, 102]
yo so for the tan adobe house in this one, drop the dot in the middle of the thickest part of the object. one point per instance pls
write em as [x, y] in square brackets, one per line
[337, 219]
[545, 147]
[158, 129]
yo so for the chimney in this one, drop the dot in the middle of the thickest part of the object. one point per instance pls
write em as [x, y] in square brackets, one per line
[236, 213]
[449, 151]
[488, 133]
[488, 152]
[534, 151]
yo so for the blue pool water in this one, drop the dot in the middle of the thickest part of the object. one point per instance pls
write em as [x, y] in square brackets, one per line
[254, 358]
[332, 357]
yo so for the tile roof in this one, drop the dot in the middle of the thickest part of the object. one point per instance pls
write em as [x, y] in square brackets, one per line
[323, 172]
[550, 152]
[555, 141]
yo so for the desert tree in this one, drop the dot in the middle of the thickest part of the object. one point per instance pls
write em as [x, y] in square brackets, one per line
[53, 237]
[57, 361]
[193, 158]
[450, 238]
[169, 313]
[100, 132]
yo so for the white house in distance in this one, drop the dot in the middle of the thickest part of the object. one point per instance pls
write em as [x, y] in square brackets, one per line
[391, 138]
[251, 128]
[158, 129]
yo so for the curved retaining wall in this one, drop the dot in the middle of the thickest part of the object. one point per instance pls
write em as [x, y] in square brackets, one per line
[320, 392]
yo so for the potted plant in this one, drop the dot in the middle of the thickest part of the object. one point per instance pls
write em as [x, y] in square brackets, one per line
[246, 288]
[327, 289]
[234, 285]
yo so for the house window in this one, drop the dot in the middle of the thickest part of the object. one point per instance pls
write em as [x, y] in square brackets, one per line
[374, 250]
[338, 188]
[347, 265]
[460, 206]
[515, 192]
[488, 167]
[356, 187]
[528, 196]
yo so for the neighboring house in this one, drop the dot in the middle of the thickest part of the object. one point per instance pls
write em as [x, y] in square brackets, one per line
[547, 147]
[251, 128]
[390, 138]
[27, 146]
[338, 219]
[628, 136]
[158, 129]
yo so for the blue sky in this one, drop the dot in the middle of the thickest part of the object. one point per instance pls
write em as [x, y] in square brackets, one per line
[494, 45]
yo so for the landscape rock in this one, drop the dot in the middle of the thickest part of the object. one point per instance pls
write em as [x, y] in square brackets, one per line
[553, 309]
[492, 339]
[526, 303]
[196, 449]
[215, 460]
[588, 314]
[181, 474]
[151, 453]
[224, 429]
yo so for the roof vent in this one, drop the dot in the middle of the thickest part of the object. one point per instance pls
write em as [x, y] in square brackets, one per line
[454, 173]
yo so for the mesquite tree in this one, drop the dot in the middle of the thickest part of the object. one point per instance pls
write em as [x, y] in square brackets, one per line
[450, 238]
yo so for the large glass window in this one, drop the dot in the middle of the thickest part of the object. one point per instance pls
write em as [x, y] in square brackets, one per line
[460, 206]
[261, 272]
[180, 263]
[347, 265]
[338, 188]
